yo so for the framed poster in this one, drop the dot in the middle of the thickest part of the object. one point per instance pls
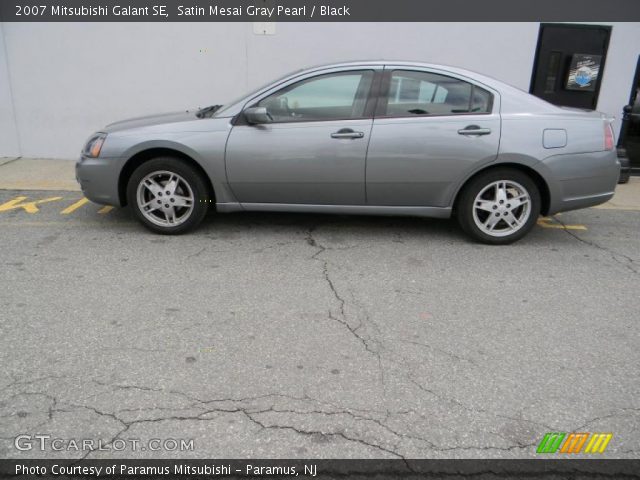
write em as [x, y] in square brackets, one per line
[583, 73]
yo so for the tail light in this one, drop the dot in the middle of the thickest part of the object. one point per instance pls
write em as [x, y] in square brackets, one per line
[608, 137]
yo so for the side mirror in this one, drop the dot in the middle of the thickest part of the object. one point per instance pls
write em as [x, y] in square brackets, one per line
[257, 115]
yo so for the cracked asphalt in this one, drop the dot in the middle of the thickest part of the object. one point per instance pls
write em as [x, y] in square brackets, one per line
[311, 336]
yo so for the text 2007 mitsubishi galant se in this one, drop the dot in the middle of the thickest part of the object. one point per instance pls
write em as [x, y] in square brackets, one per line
[389, 138]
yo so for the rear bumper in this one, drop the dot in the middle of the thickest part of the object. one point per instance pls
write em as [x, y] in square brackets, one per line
[580, 180]
[98, 179]
[576, 203]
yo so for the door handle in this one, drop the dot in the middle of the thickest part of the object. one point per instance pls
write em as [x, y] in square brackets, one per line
[474, 130]
[347, 133]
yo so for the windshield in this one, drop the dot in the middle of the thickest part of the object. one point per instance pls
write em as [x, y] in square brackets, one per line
[228, 105]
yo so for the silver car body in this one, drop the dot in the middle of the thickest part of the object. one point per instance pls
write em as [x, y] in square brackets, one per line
[401, 166]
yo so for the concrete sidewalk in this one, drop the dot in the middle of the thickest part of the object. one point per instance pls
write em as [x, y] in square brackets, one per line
[47, 174]
[627, 196]
[38, 174]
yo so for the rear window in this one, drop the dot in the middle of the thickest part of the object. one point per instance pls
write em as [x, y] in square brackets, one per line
[414, 93]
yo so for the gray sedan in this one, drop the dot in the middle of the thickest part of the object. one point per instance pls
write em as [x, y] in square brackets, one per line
[383, 138]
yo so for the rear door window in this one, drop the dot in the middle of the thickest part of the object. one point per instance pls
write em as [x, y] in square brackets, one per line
[414, 93]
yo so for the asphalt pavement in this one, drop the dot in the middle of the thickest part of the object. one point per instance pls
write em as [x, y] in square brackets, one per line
[312, 336]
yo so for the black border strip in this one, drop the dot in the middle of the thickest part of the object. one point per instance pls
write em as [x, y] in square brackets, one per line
[358, 10]
[387, 469]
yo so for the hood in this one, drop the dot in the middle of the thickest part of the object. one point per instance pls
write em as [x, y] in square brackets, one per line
[151, 120]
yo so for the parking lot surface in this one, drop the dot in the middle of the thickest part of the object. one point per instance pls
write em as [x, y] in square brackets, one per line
[278, 335]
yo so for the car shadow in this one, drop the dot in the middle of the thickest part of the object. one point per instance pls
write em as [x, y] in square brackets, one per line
[362, 224]
[296, 222]
[394, 228]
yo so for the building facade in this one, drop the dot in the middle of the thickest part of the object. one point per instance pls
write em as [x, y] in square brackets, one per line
[59, 82]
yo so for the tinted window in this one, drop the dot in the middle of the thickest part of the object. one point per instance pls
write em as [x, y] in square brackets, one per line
[481, 100]
[421, 93]
[334, 96]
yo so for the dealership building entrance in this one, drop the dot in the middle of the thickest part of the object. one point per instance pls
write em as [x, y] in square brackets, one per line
[569, 63]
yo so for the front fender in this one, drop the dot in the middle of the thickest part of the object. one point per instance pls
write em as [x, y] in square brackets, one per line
[206, 149]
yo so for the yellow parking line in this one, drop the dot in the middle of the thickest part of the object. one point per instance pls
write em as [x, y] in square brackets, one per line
[74, 207]
[545, 222]
[105, 209]
[82, 223]
[29, 207]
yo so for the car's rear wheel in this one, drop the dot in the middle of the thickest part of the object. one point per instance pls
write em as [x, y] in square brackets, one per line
[168, 195]
[499, 207]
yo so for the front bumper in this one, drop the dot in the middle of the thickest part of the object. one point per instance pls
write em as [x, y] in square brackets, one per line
[98, 179]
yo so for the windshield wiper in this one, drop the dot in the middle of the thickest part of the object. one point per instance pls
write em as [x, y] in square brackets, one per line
[203, 112]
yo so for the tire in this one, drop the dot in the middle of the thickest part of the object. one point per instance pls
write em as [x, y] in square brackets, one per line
[624, 177]
[173, 213]
[486, 210]
[625, 166]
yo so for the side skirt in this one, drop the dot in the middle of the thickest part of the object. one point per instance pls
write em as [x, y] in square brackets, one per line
[432, 212]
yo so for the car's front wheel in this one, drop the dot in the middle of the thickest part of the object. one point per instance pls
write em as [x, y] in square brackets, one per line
[168, 195]
[499, 207]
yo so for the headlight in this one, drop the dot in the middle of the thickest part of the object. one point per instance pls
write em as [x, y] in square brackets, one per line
[94, 145]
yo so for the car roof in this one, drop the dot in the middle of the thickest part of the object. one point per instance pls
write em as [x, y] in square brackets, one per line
[480, 77]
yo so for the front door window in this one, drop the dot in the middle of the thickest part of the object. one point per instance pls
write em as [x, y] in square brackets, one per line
[333, 96]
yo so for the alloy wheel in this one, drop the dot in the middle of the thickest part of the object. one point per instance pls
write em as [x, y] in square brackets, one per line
[165, 198]
[502, 208]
